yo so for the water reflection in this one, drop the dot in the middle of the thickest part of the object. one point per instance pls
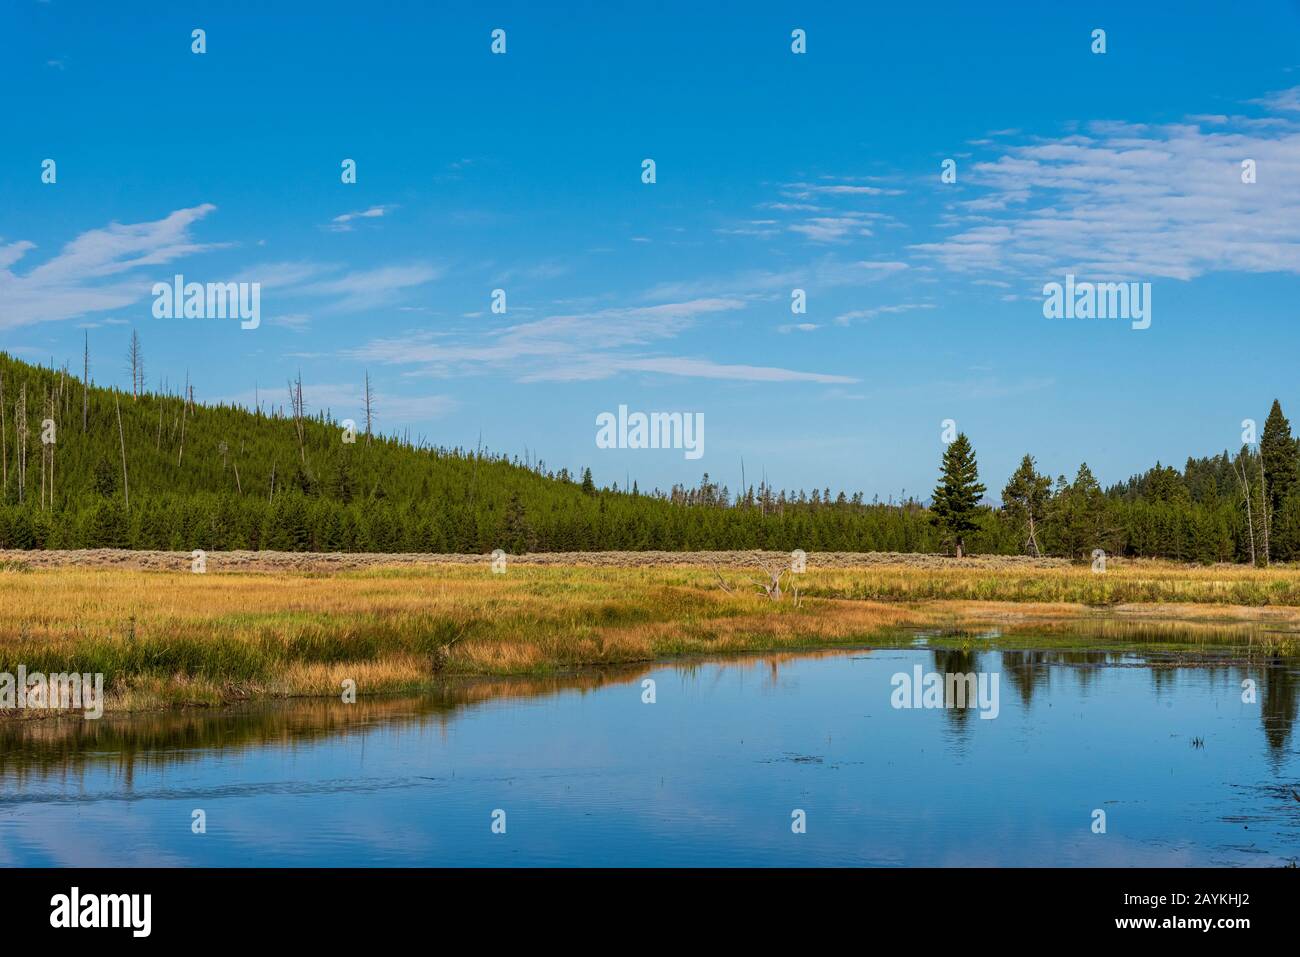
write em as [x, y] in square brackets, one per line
[707, 775]
[1278, 703]
[59, 746]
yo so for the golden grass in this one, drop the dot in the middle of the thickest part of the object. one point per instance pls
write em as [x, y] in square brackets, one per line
[173, 638]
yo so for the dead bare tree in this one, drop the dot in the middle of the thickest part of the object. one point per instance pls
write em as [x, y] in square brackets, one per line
[135, 359]
[370, 406]
[185, 408]
[54, 411]
[771, 587]
[47, 453]
[296, 403]
[121, 437]
[1264, 506]
[85, 384]
[4, 444]
[20, 442]
[1250, 521]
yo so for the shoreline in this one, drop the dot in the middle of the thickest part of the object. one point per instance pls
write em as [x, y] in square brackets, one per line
[170, 639]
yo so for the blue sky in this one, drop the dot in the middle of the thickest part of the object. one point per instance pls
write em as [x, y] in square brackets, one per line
[775, 171]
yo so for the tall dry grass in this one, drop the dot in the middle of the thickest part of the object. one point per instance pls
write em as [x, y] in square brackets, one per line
[165, 638]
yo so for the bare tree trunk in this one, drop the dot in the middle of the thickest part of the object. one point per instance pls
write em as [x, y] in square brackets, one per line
[296, 403]
[20, 442]
[185, 408]
[121, 437]
[85, 384]
[369, 399]
[4, 444]
[135, 359]
[1264, 508]
[45, 449]
[1250, 521]
[48, 450]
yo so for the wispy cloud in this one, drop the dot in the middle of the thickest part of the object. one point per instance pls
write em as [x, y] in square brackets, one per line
[107, 269]
[824, 273]
[370, 288]
[343, 223]
[834, 229]
[579, 346]
[90, 273]
[861, 315]
[1130, 200]
[807, 191]
[836, 202]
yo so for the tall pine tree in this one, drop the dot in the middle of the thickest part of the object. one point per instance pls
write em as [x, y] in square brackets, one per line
[956, 498]
[1278, 449]
[1024, 500]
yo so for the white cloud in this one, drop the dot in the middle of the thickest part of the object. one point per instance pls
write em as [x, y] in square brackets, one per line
[707, 369]
[806, 191]
[1280, 101]
[580, 346]
[369, 288]
[856, 315]
[1134, 201]
[93, 272]
[107, 269]
[343, 223]
[834, 229]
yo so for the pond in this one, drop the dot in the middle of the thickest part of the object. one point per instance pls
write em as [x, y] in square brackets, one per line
[1056, 758]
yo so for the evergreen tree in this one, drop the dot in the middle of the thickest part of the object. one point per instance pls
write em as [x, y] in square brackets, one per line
[955, 502]
[517, 535]
[1024, 500]
[1078, 515]
[342, 486]
[104, 480]
[1278, 449]
[246, 480]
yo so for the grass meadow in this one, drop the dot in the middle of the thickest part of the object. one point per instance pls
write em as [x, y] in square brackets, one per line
[169, 638]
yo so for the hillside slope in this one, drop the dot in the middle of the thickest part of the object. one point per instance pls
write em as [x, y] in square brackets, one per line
[226, 478]
[222, 477]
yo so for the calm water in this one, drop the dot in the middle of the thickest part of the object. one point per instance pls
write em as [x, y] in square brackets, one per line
[709, 774]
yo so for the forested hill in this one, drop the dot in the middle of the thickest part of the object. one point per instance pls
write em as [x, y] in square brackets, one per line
[222, 477]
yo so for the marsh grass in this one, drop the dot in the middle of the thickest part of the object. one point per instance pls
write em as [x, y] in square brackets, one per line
[1123, 582]
[173, 638]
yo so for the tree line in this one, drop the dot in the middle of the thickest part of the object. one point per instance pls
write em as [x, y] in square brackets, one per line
[86, 466]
